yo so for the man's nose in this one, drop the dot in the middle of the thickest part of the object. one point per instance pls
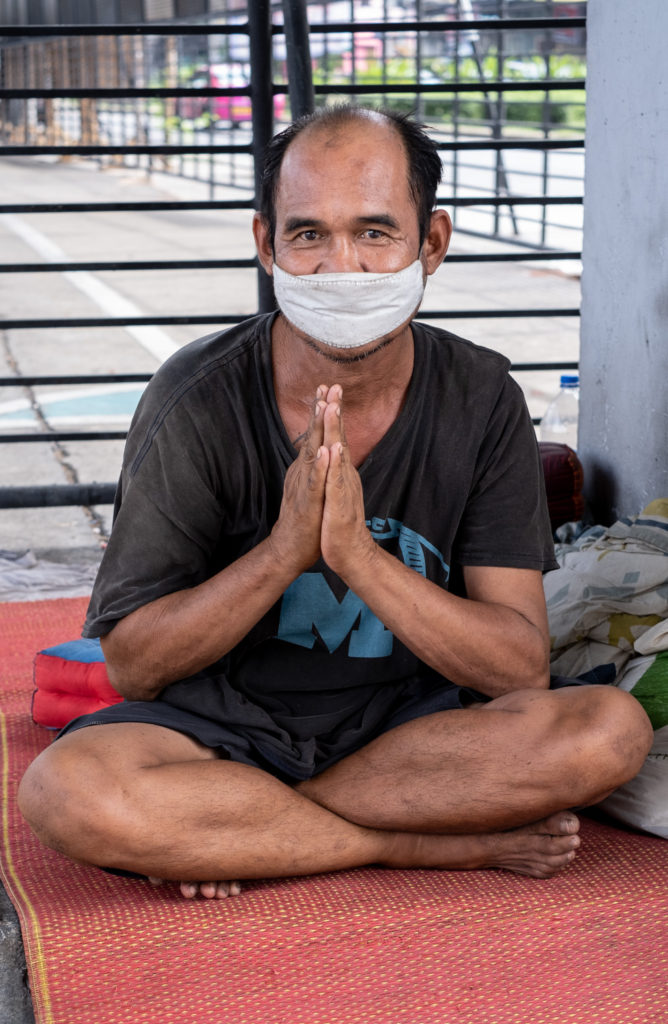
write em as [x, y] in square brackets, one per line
[341, 256]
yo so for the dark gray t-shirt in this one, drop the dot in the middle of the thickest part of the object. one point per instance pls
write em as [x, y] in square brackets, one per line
[456, 481]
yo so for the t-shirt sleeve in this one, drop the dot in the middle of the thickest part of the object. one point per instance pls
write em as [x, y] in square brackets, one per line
[506, 521]
[167, 521]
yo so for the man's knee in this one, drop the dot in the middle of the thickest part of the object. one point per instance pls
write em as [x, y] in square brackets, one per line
[603, 730]
[591, 738]
[623, 730]
[70, 802]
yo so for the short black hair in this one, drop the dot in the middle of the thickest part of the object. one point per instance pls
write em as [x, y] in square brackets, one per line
[424, 163]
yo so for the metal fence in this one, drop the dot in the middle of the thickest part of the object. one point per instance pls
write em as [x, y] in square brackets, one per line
[118, 92]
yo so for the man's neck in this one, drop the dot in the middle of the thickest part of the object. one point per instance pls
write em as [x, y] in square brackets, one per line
[374, 388]
[373, 377]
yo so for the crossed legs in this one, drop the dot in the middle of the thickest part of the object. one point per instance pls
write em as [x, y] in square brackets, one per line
[482, 787]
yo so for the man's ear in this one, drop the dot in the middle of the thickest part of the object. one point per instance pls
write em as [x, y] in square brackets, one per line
[263, 242]
[437, 241]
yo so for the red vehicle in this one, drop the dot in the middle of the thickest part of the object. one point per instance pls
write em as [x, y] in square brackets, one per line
[233, 109]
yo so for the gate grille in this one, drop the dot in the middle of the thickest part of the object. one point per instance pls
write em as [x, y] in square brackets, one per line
[31, 91]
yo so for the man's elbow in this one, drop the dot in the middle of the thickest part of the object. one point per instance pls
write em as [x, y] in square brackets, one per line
[537, 669]
[540, 681]
[127, 673]
[527, 666]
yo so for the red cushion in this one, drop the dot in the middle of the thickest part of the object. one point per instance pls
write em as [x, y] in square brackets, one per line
[70, 680]
[563, 482]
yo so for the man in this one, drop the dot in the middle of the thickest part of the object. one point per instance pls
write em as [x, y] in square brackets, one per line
[322, 595]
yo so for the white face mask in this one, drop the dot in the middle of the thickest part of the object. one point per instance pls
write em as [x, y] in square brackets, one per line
[349, 310]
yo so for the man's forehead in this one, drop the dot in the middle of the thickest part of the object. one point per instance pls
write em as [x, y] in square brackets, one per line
[374, 146]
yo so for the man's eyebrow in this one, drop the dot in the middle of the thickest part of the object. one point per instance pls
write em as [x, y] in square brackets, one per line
[300, 223]
[386, 219]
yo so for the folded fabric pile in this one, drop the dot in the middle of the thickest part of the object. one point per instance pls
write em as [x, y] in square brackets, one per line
[25, 577]
[608, 604]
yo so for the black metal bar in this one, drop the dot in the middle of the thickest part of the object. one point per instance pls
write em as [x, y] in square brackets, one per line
[546, 114]
[320, 28]
[122, 92]
[191, 204]
[493, 314]
[513, 257]
[419, 102]
[505, 24]
[48, 323]
[65, 435]
[71, 266]
[525, 367]
[156, 28]
[262, 112]
[56, 495]
[483, 86]
[249, 204]
[124, 321]
[303, 90]
[30, 381]
[300, 75]
[515, 200]
[172, 150]
[511, 144]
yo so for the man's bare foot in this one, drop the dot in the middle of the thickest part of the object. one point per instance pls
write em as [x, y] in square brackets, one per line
[539, 850]
[210, 890]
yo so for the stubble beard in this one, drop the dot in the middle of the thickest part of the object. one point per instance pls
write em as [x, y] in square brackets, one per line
[340, 359]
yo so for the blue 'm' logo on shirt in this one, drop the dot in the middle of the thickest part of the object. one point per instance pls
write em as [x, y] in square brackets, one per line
[311, 609]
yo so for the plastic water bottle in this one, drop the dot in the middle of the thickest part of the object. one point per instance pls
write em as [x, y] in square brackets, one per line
[560, 422]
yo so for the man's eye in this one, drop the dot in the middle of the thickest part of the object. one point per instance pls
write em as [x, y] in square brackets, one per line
[373, 234]
[308, 236]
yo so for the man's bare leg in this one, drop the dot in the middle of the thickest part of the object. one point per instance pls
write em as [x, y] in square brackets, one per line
[518, 759]
[168, 808]
[479, 780]
[148, 799]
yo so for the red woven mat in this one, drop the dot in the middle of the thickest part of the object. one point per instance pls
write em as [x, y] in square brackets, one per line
[359, 947]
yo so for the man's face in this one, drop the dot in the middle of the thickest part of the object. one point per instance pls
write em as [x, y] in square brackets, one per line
[343, 203]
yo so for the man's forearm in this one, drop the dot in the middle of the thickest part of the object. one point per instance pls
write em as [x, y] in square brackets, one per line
[181, 633]
[486, 645]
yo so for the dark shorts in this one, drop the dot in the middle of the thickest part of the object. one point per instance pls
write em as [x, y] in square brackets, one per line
[250, 736]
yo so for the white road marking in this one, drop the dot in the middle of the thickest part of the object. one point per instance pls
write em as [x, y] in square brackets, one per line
[111, 302]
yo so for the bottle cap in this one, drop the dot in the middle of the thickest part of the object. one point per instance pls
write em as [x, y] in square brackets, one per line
[569, 381]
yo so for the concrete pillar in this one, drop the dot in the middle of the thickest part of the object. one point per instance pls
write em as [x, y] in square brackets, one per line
[623, 433]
